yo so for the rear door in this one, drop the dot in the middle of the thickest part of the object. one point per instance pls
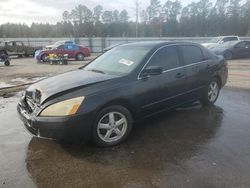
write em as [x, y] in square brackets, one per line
[195, 66]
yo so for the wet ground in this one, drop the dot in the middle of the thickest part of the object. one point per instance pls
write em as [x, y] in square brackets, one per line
[190, 147]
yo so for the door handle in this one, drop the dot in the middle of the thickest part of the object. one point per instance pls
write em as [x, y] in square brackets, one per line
[179, 75]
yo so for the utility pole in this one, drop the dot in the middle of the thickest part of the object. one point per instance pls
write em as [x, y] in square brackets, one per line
[137, 17]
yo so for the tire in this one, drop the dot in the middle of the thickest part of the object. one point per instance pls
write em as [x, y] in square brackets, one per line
[106, 131]
[211, 92]
[43, 58]
[7, 63]
[228, 55]
[80, 57]
[20, 56]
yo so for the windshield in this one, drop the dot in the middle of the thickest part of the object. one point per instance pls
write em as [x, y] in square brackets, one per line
[118, 61]
[215, 40]
[227, 44]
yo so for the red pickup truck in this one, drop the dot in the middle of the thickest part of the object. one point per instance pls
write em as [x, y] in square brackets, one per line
[72, 50]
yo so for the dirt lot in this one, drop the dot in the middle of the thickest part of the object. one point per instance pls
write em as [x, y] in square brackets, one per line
[25, 70]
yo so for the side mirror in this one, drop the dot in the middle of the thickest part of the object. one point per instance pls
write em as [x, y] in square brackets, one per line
[151, 71]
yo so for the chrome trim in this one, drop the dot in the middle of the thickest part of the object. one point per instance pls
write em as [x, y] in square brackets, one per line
[139, 78]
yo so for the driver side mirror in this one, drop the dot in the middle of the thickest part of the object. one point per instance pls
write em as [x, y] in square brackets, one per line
[151, 71]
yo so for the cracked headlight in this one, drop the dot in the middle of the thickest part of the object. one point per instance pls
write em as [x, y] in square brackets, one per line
[63, 108]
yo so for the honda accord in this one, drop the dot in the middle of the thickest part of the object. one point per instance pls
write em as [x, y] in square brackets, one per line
[101, 100]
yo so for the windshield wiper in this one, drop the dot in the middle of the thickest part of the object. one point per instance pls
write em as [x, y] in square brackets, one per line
[98, 71]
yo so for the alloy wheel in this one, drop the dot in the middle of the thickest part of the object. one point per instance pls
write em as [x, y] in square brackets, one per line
[112, 127]
[213, 91]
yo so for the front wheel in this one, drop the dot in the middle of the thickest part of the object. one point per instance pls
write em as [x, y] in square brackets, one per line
[112, 126]
[211, 93]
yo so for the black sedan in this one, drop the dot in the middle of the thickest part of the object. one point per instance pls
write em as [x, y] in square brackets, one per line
[233, 49]
[101, 100]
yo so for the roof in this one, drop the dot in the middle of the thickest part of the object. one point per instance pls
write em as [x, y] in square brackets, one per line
[152, 44]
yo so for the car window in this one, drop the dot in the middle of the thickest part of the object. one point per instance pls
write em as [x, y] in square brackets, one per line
[248, 45]
[118, 61]
[191, 54]
[10, 44]
[241, 45]
[61, 47]
[167, 58]
[70, 47]
[229, 39]
[18, 43]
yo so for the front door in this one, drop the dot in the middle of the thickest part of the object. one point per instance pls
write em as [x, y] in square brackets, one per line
[162, 91]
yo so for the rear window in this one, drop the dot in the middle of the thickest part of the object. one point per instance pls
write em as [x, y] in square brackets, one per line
[191, 54]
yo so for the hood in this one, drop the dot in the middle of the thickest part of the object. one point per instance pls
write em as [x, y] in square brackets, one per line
[63, 82]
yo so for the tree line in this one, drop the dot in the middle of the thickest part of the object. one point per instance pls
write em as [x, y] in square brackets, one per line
[169, 19]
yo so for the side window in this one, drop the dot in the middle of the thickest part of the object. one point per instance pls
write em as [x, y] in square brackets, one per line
[61, 47]
[229, 39]
[248, 45]
[191, 54]
[167, 58]
[10, 44]
[241, 45]
[70, 47]
[18, 43]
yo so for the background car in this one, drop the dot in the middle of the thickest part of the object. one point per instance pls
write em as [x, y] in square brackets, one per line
[19, 48]
[219, 40]
[73, 51]
[233, 49]
[58, 43]
[101, 100]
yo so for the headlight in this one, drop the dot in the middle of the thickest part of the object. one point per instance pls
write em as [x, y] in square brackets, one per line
[64, 108]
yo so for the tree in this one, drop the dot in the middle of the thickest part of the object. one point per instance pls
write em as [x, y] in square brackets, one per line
[66, 16]
[97, 13]
[116, 16]
[81, 14]
[107, 16]
[124, 16]
[154, 9]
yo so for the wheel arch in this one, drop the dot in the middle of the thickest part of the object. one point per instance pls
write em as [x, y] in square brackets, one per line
[218, 77]
[120, 102]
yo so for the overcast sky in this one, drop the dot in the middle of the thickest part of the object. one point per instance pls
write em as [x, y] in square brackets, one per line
[28, 11]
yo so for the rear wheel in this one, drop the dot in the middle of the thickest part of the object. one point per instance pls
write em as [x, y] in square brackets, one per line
[112, 126]
[211, 93]
[80, 57]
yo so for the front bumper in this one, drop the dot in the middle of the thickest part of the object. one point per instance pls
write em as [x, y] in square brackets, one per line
[71, 128]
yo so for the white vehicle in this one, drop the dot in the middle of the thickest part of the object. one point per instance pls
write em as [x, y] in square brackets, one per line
[219, 40]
